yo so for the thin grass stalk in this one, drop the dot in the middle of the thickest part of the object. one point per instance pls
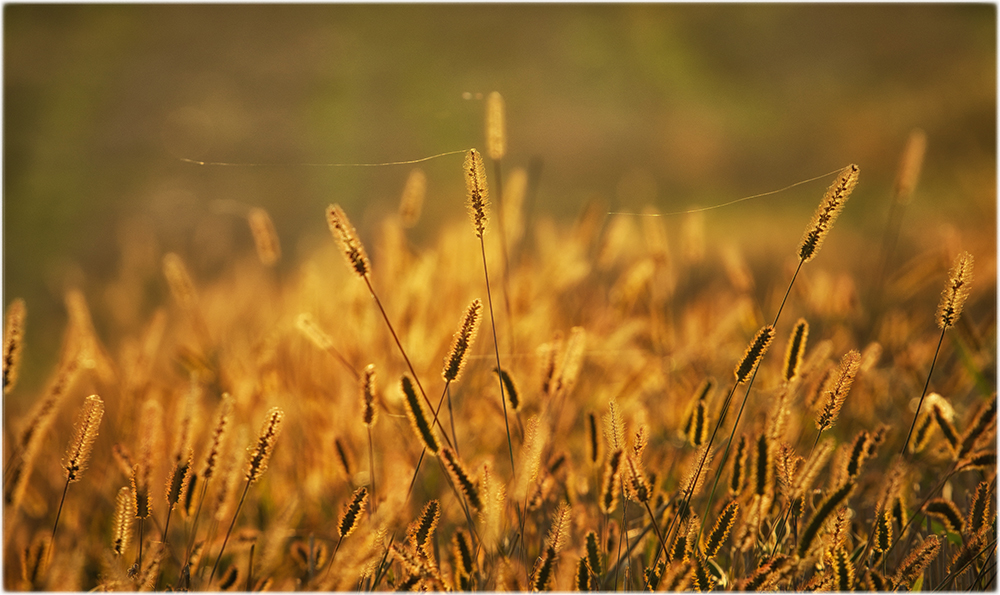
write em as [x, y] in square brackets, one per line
[923, 394]
[496, 351]
[239, 507]
[688, 492]
[423, 451]
[371, 472]
[406, 358]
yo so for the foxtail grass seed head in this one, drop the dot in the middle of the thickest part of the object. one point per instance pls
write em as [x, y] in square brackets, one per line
[909, 167]
[583, 575]
[883, 531]
[462, 341]
[461, 477]
[764, 465]
[140, 491]
[593, 553]
[609, 486]
[721, 530]
[913, 566]
[849, 365]
[829, 208]
[179, 280]
[178, 480]
[265, 238]
[513, 397]
[351, 517]
[698, 420]
[422, 530]
[819, 518]
[843, 570]
[261, 453]
[218, 436]
[754, 353]
[738, 477]
[943, 419]
[477, 191]
[462, 552]
[347, 237]
[369, 411]
[983, 420]
[411, 203]
[796, 350]
[979, 508]
[496, 126]
[956, 291]
[84, 435]
[13, 343]
[122, 531]
[947, 512]
[545, 569]
[313, 332]
[419, 417]
[859, 452]
[594, 442]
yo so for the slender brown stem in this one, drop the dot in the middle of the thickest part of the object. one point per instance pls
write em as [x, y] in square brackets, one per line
[194, 523]
[52, 540]
[402, 351]
[138, 561]
[371, 472]
[229, 532]
[496, 351]
[689, 491]
[927, 383]
[250, 569]
[746, 395]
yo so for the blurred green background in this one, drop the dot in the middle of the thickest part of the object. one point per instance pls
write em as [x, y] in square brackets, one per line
[672, 105]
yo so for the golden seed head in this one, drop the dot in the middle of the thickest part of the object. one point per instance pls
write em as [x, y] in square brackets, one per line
[833, 202]
[13, 341]
[352, 514]
[478, 193]
[368, 395]
[177, 481]
[419, 418]
[796, 349]
[261, 453]
[218, 435]
[496, 126]
[347, 237]
[421, 531]
[179, 280]
[123, 521]
[461, 477]
[609, 486]
[956, 291]
[265, 238]
[721, 530]
[85, 433]
[909, 167]
[463, 341]
[849, 366]
[754, 353]
[412, 201]
[311, 330]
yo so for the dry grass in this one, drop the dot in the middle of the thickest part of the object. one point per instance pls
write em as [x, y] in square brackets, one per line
[603, 317]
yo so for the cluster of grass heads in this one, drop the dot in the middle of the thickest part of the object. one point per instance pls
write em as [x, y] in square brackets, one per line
[521, 405]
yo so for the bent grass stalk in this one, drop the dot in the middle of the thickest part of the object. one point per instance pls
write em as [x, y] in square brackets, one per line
[953, 297]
